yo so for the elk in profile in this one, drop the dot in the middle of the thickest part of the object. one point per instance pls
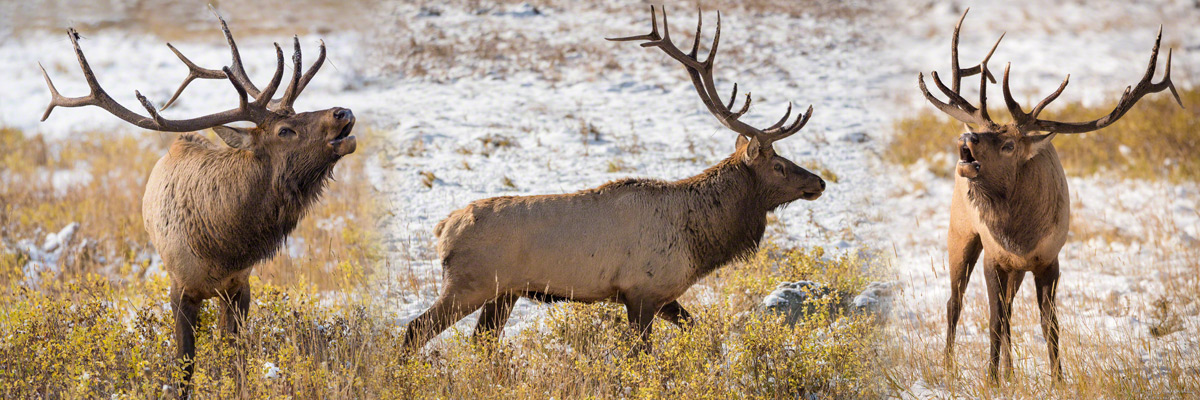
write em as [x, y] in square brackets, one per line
[639, 242]
[1010, 199]
[212, 211]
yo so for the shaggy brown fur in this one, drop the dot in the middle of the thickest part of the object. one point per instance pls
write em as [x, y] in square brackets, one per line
[639, 242]
[214, 211]
[1011, 200]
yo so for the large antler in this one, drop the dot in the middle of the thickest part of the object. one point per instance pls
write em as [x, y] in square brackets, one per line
[958, 107]
[253, 111]
[1030, 122]
[285, 103]
[702, 80]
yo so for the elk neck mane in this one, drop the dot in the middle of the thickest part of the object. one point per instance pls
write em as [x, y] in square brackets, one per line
[276, 193]
[1019, 212]
[720, 214]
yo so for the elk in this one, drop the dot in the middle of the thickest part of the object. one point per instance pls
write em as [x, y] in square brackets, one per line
[1010, 199]
[212, 211]
[639, 242]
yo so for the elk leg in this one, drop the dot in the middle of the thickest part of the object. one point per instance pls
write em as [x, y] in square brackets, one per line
[1012, 285]
[1047, 284]
[185, 308]
[448, 309]
[236, 307]
[674, 313]
[996, 282]
[964, 252]
[493, 316]
[641, 318]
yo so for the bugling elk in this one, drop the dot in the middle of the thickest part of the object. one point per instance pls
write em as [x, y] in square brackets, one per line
[639, 242]
[214, 211]
[1010, 198]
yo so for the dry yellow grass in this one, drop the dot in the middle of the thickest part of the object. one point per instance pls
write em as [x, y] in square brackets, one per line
[101, 327]
[1134, 341]
[1155, 140]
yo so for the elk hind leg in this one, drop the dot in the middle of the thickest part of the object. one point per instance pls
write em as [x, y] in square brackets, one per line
[1047, 285]
[236, 307]
[453, 304]
[674, 313]
[493, 316]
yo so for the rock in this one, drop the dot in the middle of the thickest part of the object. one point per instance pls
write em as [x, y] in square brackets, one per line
[56, 240]
[795, 300]
[876, 299]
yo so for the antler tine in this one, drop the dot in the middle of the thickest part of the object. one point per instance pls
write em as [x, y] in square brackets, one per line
[264, 97]
[99, 98]
[194, 71]
[299, 83]
[238, 70]
[197, 72]
[241, 90]
[957, 106]
[702, 79]
[1130, 97]
[158, 119]
[54, 96]
[982, 67]
[652, 36]
[1046, 101]
[792, 129]
[955, 77]
[957, 113]
[1014, 108]
[786, 114]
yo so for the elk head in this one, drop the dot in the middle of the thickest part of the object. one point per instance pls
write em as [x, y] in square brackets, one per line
[779, 180]
[992, 154]
[318, 138]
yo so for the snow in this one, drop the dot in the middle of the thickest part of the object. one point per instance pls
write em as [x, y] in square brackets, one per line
[635, 110]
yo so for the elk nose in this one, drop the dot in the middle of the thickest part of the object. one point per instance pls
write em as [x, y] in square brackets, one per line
[343, 114]
[822, 183]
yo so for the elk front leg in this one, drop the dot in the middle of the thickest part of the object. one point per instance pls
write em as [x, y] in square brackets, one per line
[964, 252]
[493, 316]
[1012, 285]
[674, 313]
[1047, 284]
[641, 318]
[996, 283]
[185, 307]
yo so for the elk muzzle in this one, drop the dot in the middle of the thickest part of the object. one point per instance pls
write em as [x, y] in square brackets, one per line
[968, 166]
[815, 189]
[344, 143]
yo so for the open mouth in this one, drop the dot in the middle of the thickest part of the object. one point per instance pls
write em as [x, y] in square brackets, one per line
[968, 166]
[343, 134]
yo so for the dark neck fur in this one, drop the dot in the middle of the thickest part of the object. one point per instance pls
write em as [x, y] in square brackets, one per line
[726, 219]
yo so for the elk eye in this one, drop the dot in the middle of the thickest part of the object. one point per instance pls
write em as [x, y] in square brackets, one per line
[284, 132]
[778, 168]
[1008, 146]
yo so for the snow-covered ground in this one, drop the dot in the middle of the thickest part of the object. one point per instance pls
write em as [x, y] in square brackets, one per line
[616, 110]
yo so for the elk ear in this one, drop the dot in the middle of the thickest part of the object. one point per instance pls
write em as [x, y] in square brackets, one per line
[1037, 144]
[238, 138]
[753, 149]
